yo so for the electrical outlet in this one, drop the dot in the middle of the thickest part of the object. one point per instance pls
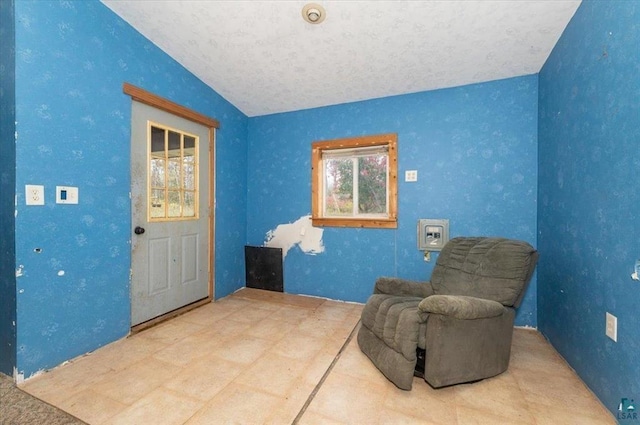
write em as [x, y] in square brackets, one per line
[34, 194]
[612, 327]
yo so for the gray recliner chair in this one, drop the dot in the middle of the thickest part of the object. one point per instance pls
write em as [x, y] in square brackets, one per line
[460, 323]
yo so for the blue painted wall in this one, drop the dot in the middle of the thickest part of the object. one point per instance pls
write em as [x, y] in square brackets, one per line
[74, 129]
[475, 149]
[589, 195]
[7, 184]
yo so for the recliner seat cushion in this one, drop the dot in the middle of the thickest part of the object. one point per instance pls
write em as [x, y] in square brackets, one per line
[390, 332]
[396, 322]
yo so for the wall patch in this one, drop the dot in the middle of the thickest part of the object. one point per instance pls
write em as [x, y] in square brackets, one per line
[300, 233]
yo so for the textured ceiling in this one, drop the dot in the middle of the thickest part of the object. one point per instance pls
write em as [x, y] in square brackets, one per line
[264, 58]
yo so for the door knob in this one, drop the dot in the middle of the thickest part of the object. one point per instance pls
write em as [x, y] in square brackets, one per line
[138, 230]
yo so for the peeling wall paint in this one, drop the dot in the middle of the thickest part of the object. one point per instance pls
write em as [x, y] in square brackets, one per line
[301, 233]
[17, 376]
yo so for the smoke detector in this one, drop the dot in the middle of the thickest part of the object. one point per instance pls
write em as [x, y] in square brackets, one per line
[313, 13]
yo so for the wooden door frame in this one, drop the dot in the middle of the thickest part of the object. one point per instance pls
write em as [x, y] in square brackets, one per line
[148, 98]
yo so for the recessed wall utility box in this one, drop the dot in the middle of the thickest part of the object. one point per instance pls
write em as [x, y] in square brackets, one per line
[432, 234]
[263, 268]
[66, 195]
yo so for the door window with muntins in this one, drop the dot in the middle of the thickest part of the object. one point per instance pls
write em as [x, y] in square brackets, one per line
[173, 170]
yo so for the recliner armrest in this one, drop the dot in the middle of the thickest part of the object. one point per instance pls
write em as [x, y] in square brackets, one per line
[403, 287]
[460, 307]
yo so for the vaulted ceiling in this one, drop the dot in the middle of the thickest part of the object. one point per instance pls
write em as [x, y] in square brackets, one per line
[264, 58]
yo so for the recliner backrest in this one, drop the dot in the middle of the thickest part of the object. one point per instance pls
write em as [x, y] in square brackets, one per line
[497, 269]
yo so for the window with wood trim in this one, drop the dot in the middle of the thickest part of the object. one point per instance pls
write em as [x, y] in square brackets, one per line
[354, 182]
[173, 170]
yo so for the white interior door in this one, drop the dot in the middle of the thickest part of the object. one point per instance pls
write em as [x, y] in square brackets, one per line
[170, 212]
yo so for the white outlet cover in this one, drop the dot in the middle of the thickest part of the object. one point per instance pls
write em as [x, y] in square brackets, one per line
[34, 194]
[612, 327]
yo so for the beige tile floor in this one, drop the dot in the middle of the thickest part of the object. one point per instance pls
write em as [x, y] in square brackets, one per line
[257, 357]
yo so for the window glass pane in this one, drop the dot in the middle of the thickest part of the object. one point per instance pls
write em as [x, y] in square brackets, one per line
[157, 173]
[189, 209]
[157, 140]
[338, 187]
[189, 145]
[173, 173]
[372, 184]
[156, 203]
[189, 172]
[174, 204]
[174, 144]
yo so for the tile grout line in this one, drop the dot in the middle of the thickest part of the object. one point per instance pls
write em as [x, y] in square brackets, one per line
[304, 407]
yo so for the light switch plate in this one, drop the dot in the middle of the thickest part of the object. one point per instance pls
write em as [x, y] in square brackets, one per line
[34, 194]
[66, 195]
[411, 176]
